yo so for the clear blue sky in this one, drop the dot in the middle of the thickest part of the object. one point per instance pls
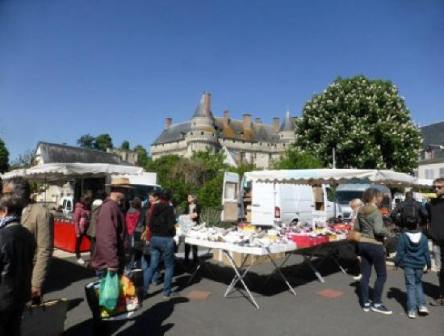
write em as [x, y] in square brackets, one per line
[70, 67]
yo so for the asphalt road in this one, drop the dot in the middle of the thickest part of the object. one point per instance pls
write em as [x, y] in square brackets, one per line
[318, 309]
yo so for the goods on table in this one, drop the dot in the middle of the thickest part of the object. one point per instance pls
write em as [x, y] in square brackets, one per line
[302, 234]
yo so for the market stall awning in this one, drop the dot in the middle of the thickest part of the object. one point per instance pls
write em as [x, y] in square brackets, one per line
[333, 176]
[55, 171]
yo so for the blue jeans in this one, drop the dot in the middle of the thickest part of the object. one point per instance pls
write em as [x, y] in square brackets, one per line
[145, 266]
[161, 247]
[413, 284]
[372, 255]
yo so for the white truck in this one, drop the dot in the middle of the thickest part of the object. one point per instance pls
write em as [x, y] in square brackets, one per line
[264, 203]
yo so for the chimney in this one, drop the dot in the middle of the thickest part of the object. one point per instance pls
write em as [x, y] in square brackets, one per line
[168, 122]
[276, 124]
[258, 121]
[226, 117]
[207, 101]
[246, 121]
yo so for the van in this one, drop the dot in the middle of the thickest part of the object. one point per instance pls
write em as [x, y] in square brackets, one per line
[349, 191]
[265, 204]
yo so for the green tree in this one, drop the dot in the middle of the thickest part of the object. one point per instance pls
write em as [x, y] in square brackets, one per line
[125, 145]
[367, 123]
[297, 159]
[103, 142]
[143, 159]
[86, 141]
[4, 157]
[24, 160]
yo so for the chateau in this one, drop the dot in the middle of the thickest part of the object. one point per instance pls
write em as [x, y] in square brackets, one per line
[242, 141]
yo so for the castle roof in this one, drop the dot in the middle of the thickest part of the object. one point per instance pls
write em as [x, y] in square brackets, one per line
[203, 109]
[234, 130]
[288, 123]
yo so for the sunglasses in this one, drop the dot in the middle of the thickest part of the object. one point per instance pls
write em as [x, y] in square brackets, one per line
[438, 187]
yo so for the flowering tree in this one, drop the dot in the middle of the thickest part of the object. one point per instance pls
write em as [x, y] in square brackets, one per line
[365, 121]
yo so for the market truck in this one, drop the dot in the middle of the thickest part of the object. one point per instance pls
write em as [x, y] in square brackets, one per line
[265, 204]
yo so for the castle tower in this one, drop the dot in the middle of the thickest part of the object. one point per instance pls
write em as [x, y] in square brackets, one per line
[287, 131]
[203, 135]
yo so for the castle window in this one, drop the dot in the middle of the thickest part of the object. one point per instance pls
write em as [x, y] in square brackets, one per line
[201, 133]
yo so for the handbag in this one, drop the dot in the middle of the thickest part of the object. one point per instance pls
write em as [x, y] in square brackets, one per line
[46, 319]
[354, 236]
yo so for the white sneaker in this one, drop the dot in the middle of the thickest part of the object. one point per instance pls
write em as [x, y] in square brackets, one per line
[411, 314]
[423, 310]
[357, 277]
[80, 261]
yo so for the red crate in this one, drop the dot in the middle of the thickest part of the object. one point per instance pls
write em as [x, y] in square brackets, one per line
[65, 237]
[303, 241]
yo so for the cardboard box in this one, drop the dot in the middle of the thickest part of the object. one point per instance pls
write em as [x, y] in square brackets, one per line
[221, 258]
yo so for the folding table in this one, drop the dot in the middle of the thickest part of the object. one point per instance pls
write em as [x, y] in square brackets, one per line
[240, 271]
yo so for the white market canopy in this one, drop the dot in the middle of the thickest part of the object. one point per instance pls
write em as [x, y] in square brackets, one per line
[56, 171]
[333, 176]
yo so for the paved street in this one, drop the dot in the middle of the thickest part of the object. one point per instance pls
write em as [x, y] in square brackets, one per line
[318, 309]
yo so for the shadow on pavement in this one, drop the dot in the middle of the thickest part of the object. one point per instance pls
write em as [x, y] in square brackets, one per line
[399, 296]
[63, 273]
[431, 290]
[151, 321]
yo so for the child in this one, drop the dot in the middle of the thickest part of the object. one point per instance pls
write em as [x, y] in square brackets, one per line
[412, 254]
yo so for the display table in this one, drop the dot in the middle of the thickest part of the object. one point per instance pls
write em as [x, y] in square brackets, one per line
[65, 236]
[290, 249]
[240, 271]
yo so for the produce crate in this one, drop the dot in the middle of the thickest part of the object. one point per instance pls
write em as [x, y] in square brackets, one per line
[221, 258]
[303, 241]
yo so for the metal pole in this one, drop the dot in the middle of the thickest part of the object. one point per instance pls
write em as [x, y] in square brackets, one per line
[334, 157]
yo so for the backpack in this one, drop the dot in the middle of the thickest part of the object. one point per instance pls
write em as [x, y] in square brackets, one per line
[410, 214]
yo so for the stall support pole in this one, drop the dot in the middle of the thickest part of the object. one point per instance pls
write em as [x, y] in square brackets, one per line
[308, 259]
[201, 264]
[240, 277]
[236, 278]
[278, 271]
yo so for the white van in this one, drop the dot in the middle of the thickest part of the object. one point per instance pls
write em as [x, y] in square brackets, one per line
[349, 191]
[263, 203]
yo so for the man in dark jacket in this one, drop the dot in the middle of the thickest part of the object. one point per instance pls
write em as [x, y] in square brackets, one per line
[161, 223]
[109, 253]
[409, 213]
[435, 209]
[17, 247]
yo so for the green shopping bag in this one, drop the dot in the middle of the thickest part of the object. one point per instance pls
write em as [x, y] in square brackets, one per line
[109, 291]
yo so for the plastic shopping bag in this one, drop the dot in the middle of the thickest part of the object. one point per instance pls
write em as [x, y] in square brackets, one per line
[109, 291]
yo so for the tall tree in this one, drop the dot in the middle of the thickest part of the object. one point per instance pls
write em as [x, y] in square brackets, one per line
[86, 141]
[297, 159]
[365, 121]
[103, 142]
[125, 145]
[4, 157]
[143, 159]
[24, 160]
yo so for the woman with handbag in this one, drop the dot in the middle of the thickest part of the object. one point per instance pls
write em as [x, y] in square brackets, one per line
[370, 228]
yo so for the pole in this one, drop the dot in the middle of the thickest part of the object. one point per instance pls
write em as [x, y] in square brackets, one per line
[334, 157]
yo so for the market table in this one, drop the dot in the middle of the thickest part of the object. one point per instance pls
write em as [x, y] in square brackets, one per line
[242, 270]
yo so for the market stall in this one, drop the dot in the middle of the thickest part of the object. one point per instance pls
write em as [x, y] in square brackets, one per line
[81, 174]
[299, 238]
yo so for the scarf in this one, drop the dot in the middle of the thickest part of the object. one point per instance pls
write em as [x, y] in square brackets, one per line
[6, 220]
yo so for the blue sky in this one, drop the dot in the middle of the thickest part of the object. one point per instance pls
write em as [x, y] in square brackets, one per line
[70, 67]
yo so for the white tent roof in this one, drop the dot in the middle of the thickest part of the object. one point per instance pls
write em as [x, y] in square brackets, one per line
[332, 176]
[54, 171]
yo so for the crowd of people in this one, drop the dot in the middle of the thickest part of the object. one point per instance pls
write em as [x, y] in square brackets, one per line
[418, 224]
[143, 237]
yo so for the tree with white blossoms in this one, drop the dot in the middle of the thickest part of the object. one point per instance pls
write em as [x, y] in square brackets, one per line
[366, 121]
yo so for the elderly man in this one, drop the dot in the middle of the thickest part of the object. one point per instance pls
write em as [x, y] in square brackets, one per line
[109, 253]
[39, 222]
